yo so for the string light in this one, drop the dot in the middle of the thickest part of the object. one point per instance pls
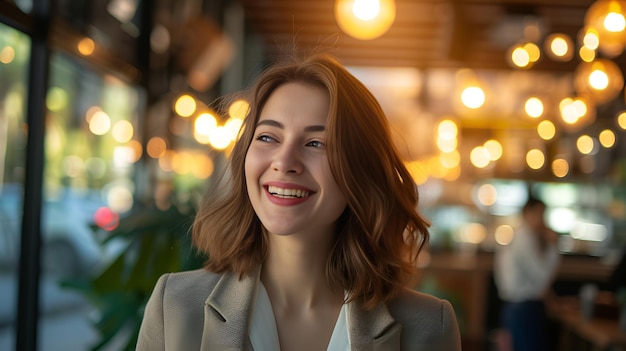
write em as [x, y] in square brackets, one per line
[365, 19]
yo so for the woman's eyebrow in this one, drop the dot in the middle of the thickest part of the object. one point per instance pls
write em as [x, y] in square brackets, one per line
[315, 128]
[273, 123]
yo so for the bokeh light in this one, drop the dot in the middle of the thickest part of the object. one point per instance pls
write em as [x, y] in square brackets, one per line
[533, 107]
[156, 147]
[185, 105]
[607, 138]
[535, 159]
[546, 130]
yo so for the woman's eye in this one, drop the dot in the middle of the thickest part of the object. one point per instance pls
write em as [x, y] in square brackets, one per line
[265, 138]
[316, 144]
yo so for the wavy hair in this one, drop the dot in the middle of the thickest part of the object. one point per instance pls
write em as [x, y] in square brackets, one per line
[379, 234]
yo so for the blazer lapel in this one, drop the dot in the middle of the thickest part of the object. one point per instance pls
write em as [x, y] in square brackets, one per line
[374, 330]
[227, 311]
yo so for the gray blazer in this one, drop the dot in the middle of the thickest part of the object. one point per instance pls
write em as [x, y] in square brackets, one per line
[200, 310]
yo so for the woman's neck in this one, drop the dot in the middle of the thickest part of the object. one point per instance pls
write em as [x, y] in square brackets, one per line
[294, 273]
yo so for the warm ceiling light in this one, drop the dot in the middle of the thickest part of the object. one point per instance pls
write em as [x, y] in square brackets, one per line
[607, 138]
[598, 80]
[535, 159]
[533, 107]
[365, 19]
[203, 126]
[473, 97]
[185, 105]
[621, 120]
[233, 125]
[524, 55]
[520, 57]
[86, 46]
[238, 109]
[447, 129]
[560, 167]
[559, 47]
[577, 112]
[590, 38]
[607, 18]
[220, 138]
[494, 148]
[447, 145]
[533, 51]
[447, 133]
[601, 80]
[586, 54]
[585, 144]
[614, 22]
[546, 130]
[479, 156]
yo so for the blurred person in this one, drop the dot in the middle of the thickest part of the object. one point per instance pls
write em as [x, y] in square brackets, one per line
[311, 235]
[524, 271]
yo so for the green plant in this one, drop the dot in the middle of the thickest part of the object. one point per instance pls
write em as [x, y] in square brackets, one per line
[156, 242]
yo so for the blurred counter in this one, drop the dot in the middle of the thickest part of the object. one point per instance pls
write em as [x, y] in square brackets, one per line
[466, 280]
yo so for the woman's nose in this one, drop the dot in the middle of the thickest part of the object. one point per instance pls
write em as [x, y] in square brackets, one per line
[288, 160]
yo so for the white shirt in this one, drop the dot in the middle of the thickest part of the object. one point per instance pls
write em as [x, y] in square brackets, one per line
[521, 271]
[264, 336]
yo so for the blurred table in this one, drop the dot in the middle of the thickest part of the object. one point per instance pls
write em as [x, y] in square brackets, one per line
[598, 333]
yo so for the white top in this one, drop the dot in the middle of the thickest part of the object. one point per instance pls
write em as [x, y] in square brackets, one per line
[521, 271]
[264, 336]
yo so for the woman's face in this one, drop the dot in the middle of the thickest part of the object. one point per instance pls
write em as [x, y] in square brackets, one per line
[288, 177]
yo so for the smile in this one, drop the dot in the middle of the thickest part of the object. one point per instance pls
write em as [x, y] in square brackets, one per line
[287, 193]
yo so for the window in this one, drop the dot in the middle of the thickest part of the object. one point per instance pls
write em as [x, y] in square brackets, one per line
[14, 59]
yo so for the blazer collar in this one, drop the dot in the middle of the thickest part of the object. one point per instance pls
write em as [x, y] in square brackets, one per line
[228, 308]
[373, 330]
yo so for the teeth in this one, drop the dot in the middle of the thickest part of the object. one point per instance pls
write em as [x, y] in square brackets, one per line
[280, 192]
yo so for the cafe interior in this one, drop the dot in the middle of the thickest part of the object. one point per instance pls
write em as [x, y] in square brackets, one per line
[111, 130]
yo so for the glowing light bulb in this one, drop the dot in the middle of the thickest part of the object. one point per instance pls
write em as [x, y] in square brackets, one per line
[366, 10]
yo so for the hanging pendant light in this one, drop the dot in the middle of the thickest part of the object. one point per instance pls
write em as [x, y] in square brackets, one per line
[601, 80]
[608, 18]
[365, 19]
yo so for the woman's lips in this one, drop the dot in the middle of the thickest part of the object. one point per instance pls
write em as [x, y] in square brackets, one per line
[287, 194]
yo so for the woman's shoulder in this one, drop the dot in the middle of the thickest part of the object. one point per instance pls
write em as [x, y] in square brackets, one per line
[187, 277]
[426, 320]
[188, 283]
[411, 306]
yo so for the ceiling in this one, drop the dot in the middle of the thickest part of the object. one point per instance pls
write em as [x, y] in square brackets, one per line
[429, 41]
[425, 34]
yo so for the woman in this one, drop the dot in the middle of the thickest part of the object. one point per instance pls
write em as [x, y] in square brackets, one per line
[313, 236]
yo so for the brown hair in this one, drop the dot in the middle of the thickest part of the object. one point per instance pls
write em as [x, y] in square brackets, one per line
[379, 234]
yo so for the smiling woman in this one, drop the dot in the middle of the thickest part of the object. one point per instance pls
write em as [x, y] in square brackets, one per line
[288, 155]
[312, 234]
